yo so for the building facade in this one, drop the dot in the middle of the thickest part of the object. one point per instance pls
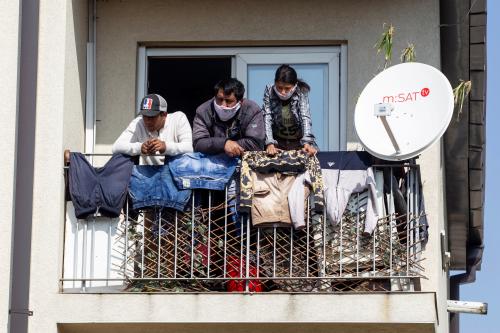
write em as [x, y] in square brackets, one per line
[95, 60]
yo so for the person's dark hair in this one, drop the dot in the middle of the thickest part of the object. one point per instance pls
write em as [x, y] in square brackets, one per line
[287, 74]
[229, 86]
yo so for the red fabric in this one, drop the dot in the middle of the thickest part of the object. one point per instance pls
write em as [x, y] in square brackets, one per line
[233, 270]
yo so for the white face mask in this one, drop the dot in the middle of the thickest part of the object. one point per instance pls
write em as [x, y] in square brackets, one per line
[286, 96]
[225, 113]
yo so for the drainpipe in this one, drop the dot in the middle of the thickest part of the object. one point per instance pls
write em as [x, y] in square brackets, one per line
[455, 282]
[474, 259]
[25, 156]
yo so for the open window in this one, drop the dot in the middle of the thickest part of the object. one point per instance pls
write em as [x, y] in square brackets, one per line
[186, 76]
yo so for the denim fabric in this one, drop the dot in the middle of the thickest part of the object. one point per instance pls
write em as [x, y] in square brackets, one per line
[99, 190]
[153, 186]
[198, 170]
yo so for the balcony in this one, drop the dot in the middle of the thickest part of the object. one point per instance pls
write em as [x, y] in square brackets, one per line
[207, 249]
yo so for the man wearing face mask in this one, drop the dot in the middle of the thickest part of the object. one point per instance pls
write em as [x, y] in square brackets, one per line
[228, 123]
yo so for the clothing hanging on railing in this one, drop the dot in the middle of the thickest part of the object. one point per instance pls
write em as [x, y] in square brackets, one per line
[99, 190]
[401, 186]
[266, 180]
[153, 186]
[198, 170]
[344, 173]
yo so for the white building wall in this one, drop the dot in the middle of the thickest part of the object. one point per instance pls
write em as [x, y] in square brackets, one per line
[9, 62]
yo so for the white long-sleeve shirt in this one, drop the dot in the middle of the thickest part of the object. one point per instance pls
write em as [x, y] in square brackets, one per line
[338, 186]
[176, 133]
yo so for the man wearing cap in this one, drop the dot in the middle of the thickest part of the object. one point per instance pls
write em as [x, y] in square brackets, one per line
[155, 134]
[228, 123]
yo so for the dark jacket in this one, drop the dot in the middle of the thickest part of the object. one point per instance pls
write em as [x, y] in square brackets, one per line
[100, 190]
[246, 128]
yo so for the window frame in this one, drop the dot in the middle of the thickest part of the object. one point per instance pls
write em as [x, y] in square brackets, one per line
[334, 56]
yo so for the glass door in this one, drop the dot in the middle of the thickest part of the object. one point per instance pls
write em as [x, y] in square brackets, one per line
[319, 70]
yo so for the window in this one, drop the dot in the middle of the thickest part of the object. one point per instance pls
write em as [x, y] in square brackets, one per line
[186, 76]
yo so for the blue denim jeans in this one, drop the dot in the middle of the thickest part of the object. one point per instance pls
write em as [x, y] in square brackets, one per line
[153, 186]
[198, 170]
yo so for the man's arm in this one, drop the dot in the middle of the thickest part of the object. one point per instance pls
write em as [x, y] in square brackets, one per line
[202, 140]
[184, 138]
[254, 134]
[127, 141]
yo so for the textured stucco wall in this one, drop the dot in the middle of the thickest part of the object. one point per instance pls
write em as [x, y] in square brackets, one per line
[75, 75]
[9, 61]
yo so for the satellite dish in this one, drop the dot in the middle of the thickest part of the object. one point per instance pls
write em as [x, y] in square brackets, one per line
[403, 110]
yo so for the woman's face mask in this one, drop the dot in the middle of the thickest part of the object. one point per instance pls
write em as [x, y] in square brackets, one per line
[225, 113]
[284, 91]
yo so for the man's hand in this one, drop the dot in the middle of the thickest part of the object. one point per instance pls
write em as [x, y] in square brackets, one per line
[309, 150]
[145, 147]
[272, 150]
[157, 146]
[152, 146]
[233, 149]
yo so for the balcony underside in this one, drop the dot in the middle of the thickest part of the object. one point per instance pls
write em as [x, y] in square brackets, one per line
[373, 312]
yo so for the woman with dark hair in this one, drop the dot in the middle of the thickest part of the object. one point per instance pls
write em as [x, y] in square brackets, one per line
[286, 113]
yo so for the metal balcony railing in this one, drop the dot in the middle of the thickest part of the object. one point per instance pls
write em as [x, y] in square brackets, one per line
[209, 249]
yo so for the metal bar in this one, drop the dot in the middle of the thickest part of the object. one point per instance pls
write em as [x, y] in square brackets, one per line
[143, 242]
[274, 251]
[175, 246]
[401, 165]
[357, 234]
[247, 269]
[375, 232]
[332, 278]
[411, 210]
[108, 262]
[126, 238]
[417, 208]
[391, 208]
[92, 247]
[341, 245]
[209, 230]
[84, 255]
[192, 234]
[75, 250]
[241, 249]
[322, 221]
[158, 264]
[390, 134]
[225, 231]
[308, 223]
[408, 223]
[258, 251]
[291, 252]
[374, 238]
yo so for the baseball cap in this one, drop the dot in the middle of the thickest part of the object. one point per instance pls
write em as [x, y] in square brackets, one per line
[152, 105]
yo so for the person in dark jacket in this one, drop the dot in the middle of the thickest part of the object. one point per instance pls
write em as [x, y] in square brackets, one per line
[228, 123]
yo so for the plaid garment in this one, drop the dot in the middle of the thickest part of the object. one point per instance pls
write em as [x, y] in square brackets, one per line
[289, 161]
